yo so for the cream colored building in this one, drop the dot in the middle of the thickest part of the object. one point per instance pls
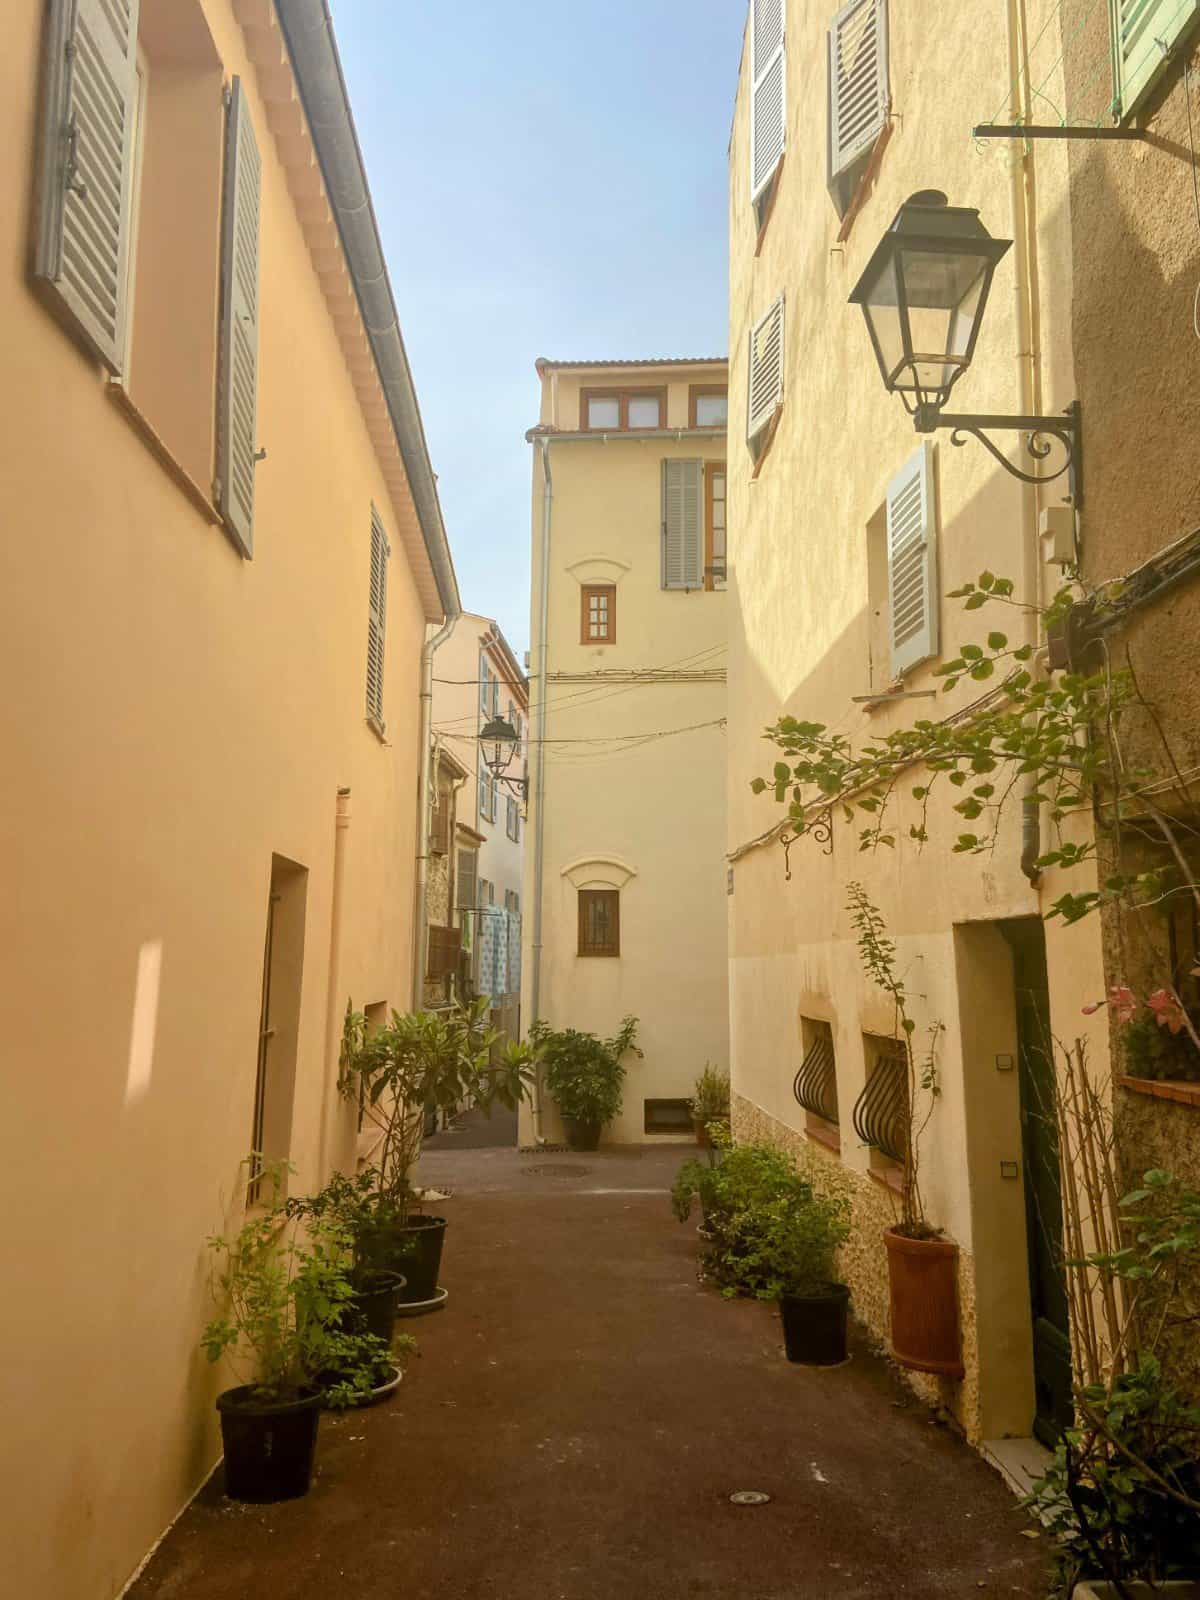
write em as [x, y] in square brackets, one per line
[847, 531]
[222, 548]
[624, 904]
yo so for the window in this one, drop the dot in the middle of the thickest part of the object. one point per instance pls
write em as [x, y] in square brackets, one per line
[485, 686]
[667, 1116]
[765, 386]
[487, 795]
[466, 886]
[815, 1085]
[512, 901]
[441, 959]
[599, 922]
[440, 831]
[512, 824]
[683, 525]
[912, 563]
[147, 183]
[881, 1111]
[377, 622]
[708, 405]
[622, 410]
[598, 622]
[487, 892]
[858, 94]
[279, 1017]
[714, 525]
[1145, 34]
[768, 100]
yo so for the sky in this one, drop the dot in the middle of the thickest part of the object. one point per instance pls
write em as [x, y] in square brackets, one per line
[549, 181]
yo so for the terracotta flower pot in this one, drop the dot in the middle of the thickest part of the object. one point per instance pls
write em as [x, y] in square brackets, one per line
[702, 1135]
[922, 1278]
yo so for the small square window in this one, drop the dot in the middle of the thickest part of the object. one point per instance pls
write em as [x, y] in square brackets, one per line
[604, 412]
[599, 922]
[599, 618]
[708, 405]
[644, 411]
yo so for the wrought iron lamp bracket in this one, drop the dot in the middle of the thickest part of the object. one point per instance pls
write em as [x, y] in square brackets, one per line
[821, 829]
[1041, 434]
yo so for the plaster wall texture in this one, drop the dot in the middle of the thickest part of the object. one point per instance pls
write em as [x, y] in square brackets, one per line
[175, 716]
[456, 721]
[801, 632]
[647, 818]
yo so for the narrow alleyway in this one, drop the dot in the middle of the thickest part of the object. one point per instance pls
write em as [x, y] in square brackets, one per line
[577, 1420]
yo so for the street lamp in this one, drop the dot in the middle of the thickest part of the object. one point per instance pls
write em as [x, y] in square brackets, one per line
[498, 744]
[923, 294]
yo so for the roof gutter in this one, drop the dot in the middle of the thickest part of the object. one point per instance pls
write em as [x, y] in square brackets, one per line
[308, 31]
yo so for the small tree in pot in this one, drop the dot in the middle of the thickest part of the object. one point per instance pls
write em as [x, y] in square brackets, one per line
[784, 1250]
[286, 1285]
[710, 1102]
[585, 1075]
[422, 1059]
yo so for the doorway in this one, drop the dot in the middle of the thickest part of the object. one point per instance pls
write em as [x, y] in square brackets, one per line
[1026, 938]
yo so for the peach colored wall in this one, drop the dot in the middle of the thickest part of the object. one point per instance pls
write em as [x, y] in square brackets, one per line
[172, 716]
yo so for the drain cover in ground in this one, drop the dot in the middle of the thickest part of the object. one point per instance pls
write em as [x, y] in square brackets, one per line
[555, 1169]
[750, 1497]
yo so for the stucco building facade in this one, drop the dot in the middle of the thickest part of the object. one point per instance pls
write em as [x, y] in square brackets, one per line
[624, 903]
[848, 530]
[223, 549]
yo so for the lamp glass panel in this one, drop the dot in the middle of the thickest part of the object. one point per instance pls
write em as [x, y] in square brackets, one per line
[882, 307]
[943, 293]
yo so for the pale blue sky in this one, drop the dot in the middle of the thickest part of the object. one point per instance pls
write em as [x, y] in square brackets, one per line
[549, 180]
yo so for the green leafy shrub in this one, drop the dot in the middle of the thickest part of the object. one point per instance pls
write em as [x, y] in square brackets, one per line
[710, 1102]
[1152, 1051]
[287, 1284]
[785, 1246]
[585, 1074]
[695, 1180]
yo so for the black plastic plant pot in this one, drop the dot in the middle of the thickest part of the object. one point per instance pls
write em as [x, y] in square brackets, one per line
[815, 1325]
[375, 1296]
[423, 1241]
[269, 1445]
[582, 1133]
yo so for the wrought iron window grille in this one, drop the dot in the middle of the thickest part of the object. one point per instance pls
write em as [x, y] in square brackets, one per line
[881, 1111]
[815, 1086]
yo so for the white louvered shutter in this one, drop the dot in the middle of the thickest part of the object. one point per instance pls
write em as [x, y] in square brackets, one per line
[765, 379]
[237, 384]
[912, 562]
[858, 82]
[768, 92]
[1145, 33]
[84, 200]
[377, 621]
[683, 525]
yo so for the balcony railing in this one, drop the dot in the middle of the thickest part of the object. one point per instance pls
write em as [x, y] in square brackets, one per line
[881, 1110]
[815, 1086]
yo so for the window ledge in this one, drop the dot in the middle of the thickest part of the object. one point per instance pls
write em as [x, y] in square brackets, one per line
[888, 1178]
[1181, 1092]
[175, 470]
[830, 1138]
[891, 696]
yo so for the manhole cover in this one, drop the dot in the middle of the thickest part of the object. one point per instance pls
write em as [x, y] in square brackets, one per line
[555, 1169]
[749, 1497]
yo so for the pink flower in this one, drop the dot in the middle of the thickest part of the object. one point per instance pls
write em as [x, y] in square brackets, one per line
[1124, 1002]
[1167, 1010]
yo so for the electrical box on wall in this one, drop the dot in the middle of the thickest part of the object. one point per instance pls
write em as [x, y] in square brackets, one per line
[1058, 535]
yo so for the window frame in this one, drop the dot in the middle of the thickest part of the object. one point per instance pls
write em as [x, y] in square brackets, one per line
[586, 899]
[703, 391]
[623, 397]
[713, 469]
[586, 591]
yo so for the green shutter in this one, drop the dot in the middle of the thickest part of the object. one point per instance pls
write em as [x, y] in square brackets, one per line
[377, 620]
[237, 377]
[90, 101]
[1145, 34]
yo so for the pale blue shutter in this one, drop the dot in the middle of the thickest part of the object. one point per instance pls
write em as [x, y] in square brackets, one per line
[765, 381]
[1145, 35]
[237, 379]
[768, 92]
[912, 562]
[86, 171]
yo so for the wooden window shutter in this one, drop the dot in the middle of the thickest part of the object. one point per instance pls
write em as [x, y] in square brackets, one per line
[468, 876]
[86, 167]
[683, 524]
[912, 562]
[377, 621]
[858, 91]
[237, 367]
[768, 92]
[765, 386]
[1145, 34]
[442, 959]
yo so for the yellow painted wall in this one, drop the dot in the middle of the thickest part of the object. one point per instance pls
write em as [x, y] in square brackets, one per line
[655, 810]
[172, 717]
[799, 637]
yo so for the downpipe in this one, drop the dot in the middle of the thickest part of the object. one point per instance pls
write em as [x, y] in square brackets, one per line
[539, 832]
[333, 986]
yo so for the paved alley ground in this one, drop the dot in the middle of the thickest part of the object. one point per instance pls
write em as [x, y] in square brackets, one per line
[577, 1419]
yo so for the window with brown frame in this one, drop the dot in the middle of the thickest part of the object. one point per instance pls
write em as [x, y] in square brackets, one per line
[708, 405]
[714, 525]
[622, 410]
[599, 922]
[598, 614]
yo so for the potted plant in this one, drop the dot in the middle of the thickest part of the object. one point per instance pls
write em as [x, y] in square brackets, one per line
[922, 1262]
[422, 1059]
[710, 1102]
[585, 1075]
[784, 1250]
[286, 1284]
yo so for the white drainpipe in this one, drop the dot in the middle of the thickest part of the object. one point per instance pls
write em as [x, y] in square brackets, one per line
[539, 832]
